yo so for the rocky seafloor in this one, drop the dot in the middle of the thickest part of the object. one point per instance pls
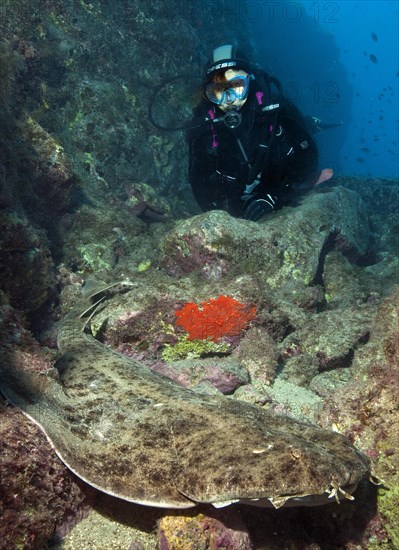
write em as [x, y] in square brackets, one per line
[321, 345]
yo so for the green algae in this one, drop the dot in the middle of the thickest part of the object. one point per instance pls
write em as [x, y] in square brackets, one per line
[96, 256]
[388, 506]
[191, 349]
[390, 510]
[143, 266]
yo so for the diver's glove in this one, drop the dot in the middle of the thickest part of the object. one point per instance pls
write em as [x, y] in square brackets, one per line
[259, 208]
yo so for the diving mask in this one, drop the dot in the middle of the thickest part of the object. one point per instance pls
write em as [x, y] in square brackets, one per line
[229, 92]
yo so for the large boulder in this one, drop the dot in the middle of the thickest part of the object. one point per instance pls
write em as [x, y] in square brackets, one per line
[291, 244]
[39, 496]
[330, 337]
[366, 410]
[26, 265]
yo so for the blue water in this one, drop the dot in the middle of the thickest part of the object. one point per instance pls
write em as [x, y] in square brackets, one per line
[338, 61]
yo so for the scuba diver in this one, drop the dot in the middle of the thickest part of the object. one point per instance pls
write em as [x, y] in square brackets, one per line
[257, 151]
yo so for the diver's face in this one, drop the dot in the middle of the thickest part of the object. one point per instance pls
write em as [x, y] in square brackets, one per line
[230, 93]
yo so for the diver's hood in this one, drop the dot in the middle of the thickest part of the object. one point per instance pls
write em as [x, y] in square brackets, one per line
[227, 57]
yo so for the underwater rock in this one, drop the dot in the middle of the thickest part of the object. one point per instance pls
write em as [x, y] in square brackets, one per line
[294, 401]
[212, 529]
[142, 325]
[258, 353]
[341, 281]
[147, 324]
[38, 495]
[299, 367]
[48, 164]
[139, 324]
[28, 275]
[223, 373]
[13, 326]
[144, 202]
[11, 64]
[347, 285]
[290, 244]
[331, 336]
[327, 382]
[381, 198]
[52, 162]
[383, 346]
[366, 409]
[99, 237]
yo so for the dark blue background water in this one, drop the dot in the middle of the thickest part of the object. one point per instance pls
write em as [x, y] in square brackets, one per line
[338, 61]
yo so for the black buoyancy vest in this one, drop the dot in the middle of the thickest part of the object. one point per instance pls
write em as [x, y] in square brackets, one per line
[256, 132]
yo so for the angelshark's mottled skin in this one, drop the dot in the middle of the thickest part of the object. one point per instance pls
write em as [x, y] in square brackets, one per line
[135, 434]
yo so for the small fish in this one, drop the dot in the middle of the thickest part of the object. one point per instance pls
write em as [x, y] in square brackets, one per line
[374, 37]
[365, 150]
[373, 58]
[360, 160]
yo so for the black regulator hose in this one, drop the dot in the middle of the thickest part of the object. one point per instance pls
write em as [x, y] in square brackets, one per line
[158, 89]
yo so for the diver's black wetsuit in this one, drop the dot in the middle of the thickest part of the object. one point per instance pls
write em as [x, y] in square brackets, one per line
[219, 171]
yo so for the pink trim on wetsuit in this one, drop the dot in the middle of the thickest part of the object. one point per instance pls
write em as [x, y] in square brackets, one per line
[215, 142]
[259, 97]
